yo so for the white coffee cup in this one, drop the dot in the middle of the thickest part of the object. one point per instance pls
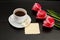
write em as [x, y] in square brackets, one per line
[19, 19]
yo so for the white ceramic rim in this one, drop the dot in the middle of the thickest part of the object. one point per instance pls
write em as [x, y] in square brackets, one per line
[20, 9]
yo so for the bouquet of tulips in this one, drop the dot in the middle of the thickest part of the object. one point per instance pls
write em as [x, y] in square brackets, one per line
[49, 16]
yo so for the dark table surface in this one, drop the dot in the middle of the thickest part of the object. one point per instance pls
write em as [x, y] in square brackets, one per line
[7, 32]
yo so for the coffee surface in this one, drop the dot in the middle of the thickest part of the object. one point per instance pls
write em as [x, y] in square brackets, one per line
[19, 13]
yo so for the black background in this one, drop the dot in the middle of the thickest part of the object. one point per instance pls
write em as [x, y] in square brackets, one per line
[7, 32]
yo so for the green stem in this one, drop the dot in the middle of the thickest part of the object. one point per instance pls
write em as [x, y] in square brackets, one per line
[57, 25]
[54, 14]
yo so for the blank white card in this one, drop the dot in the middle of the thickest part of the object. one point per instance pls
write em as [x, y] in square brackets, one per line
[33, 28]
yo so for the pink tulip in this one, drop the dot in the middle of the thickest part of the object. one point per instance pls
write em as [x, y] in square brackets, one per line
[49, 22]
[36, 7]
[41, 14]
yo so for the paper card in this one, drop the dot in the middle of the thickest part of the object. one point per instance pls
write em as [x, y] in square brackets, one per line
[33, 28]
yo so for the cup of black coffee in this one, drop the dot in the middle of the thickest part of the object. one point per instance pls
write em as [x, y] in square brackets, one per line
[20, 15]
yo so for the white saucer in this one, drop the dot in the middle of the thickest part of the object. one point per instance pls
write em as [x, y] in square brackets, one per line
[17, 25]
